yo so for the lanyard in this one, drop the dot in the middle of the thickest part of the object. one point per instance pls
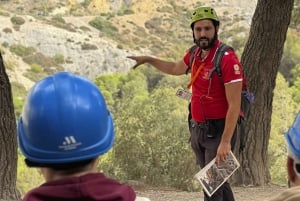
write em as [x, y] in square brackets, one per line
[194, 77]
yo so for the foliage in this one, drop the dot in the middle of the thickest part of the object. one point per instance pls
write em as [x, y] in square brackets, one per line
[7, 30]
[284, 110]
[85, 28]
[30, 177]
[295, 88]
[291, 57]
[19, 92]
[104, 26]
[4, 13]
[237, 41]
[86, 3]
[151, 142]
[59, 58]
[87, 46]
[36, 68]
[58, 18]
[59, 22]
[77, 10]
[18, 104]
[295, 21]
[125, 10]
[21, 50]
[39, 63]
[109, 86]
[16, 20]
[48, 64]
[151, 126]
[34, 76]
[9, 64]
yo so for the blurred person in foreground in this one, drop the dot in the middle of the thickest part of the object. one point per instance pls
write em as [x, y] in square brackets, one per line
[64, 127]
[293, 164]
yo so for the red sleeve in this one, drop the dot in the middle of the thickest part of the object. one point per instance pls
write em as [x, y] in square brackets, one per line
[231, 67]
[186, 57]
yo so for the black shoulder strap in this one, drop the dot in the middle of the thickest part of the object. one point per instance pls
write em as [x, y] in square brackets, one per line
[218, 58]
[192, 53]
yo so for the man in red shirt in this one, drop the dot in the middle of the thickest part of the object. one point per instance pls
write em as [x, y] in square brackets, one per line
[215, 101]
[64, 128]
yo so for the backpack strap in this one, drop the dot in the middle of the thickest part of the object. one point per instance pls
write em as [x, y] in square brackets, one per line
[218, 58]
[192, 55]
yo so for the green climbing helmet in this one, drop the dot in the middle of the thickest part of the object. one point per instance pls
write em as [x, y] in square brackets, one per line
[204, 13]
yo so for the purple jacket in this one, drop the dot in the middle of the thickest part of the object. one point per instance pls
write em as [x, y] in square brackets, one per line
[89, 187]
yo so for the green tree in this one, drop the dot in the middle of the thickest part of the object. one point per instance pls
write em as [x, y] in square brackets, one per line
[284, 111]
[109, 86]
[151, 131]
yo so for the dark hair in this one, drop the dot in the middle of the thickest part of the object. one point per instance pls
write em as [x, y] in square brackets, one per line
[297, 167]
[72, 166]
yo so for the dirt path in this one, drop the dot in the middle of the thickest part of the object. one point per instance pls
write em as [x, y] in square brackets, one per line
[241, 194]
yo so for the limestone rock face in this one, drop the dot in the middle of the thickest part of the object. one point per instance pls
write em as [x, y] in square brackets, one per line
[86, 50]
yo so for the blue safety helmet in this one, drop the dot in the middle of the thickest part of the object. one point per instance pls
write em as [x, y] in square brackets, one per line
[64, 119]
[293, 137]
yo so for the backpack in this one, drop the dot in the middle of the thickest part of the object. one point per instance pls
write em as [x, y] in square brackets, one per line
[246, 97]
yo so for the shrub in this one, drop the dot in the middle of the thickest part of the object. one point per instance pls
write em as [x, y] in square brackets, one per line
[17, 20]
[16, 27]
[19, 92]
[125, 12]
[59, 58]
[7, 30]
[59, 22]
[59, 19]
[21, 50]
[86, 46]
[34, 76]
[18, 89]
[36, 68]
[104, 26]
[5, 44]
[84, 28]
[4, 13]
[42, 60]
[9, 64]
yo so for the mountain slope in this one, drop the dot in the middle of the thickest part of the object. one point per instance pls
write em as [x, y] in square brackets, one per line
[129, 27]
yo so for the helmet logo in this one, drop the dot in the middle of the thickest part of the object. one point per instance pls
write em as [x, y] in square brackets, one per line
[69, 140]
[69, 143]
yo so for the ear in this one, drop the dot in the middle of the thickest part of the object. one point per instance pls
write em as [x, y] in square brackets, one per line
[290, 169]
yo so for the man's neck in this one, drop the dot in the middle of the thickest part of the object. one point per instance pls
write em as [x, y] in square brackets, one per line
[204, 53]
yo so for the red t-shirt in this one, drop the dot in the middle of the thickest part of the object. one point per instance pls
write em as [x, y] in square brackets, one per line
[93, 187]
[209, 100]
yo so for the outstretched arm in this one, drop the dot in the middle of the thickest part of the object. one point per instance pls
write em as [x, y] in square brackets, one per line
[172, 68]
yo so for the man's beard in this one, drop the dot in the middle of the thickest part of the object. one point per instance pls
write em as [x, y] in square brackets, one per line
[205, 43]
